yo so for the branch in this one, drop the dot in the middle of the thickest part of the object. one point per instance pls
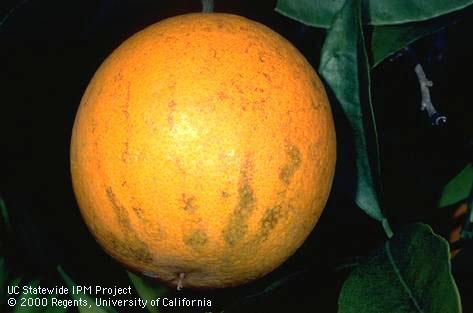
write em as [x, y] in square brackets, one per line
[426, 102]
[425, 84]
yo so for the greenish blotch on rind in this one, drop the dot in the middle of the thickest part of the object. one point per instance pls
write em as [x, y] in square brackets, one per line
[119, 209]
[270, 220]
[196, 239]
[237, 227]
[132, 247]
[291, 167]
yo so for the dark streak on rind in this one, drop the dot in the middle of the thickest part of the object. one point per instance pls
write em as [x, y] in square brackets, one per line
[139, 213]
[196, 239]
[188, 203]
[120, 210]
[246, 197]
[137, 250]
[237, 227]
[126, 152]
[132, 247]
[269, 221]
[291, 167]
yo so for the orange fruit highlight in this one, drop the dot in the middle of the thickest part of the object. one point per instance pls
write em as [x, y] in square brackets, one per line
[203, 151]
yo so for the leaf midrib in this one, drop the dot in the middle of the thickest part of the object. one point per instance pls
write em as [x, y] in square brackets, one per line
[401, 279]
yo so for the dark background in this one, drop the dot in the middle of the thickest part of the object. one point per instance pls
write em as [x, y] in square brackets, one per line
[49, 51]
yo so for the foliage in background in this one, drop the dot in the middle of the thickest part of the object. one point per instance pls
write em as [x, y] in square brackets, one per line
[409, 273]
[459, 188]
[345, 70]
[147, 291]
[144, 289]
[320, 13]
[91, 307]
[394, 279]
[467, 230]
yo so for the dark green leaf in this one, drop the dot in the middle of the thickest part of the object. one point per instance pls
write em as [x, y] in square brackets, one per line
[387, 40]
[91, 306]
[458, 188]
[410, 273]
[344, 67]
[23, 309]
[147, 291]
[320, 13]
[388, 12]
[310, 12]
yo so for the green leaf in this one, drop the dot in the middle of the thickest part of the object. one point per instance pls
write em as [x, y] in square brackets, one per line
[91, 307]
[310, 12]
[410, 273]
[387, 40]
[458, 188]
[23, 309]
[147, 291]
[344, 68]
[320, 13]
[388, 12]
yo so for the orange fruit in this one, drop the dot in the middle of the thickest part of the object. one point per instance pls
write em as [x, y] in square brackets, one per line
[203, 151]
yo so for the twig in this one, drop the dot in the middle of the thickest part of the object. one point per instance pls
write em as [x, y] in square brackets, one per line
[207, 6]
[425, 84]
[426, 103]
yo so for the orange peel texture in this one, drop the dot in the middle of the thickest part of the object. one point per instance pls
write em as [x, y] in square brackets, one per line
[203, 151]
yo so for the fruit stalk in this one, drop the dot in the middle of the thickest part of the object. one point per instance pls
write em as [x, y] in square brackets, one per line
[207, 6]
